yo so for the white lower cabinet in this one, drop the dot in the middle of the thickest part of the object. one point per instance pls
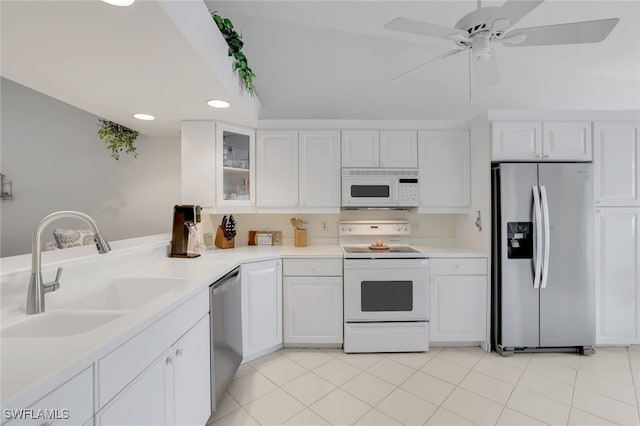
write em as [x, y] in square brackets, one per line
[143, 402]
[173, 390]
[69, 404]
[261, 308]
[161, 376]
[312, 307]
[617, 276]
[313, 311]
[192, 376]
[458, 301]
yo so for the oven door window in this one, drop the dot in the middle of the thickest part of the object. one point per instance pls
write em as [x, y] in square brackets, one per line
[370, 191]
[386, 296]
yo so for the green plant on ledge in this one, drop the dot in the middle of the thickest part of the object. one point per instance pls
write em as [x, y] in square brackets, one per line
[235, 43]
[118, 138]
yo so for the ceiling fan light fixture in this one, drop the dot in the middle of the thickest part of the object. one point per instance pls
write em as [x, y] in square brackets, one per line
[481, 48]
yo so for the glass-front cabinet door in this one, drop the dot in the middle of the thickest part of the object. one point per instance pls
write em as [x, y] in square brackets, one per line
[235, 165]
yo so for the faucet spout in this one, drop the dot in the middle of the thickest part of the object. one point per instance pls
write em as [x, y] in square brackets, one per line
[37, 288]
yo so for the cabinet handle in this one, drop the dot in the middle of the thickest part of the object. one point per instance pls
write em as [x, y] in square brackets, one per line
[547, 156]
[179, 352]
[169, 360]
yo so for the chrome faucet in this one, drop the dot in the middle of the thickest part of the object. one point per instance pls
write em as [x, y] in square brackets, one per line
[38, 288]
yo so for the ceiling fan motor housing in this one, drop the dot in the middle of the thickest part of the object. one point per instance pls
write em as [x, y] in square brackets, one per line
[476, 21]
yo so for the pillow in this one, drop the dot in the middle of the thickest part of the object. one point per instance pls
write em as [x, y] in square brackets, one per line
[51, 245]
[66, 238]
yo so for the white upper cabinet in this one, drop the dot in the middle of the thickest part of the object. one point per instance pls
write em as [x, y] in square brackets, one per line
[617, 163]
[541, 141]
[384, 148]
[198, 158]
[235, 166]
[617, 276]
[569, 141]
[516, 141]
[319, 169]
[398, 149]
[360, 148]
[277, 168]
[445, 170]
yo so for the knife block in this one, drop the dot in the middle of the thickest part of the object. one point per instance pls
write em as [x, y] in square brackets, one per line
[222, 242]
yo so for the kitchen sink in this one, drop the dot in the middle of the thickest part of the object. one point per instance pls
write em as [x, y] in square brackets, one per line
[121, 294]
[59, 324]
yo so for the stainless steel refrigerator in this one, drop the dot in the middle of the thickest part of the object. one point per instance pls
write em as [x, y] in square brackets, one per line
[542, 257]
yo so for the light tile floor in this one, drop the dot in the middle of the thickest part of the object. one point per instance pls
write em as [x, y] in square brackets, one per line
[445, 386]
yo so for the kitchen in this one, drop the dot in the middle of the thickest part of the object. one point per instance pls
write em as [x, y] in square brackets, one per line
[138, 197]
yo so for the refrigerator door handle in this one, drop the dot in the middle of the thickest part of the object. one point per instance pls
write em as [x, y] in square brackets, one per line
[537, 213]
[547, 236]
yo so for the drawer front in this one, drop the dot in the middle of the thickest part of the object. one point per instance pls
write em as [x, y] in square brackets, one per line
[121, 366]
[312, 267]
[69, 404]
[459, 266]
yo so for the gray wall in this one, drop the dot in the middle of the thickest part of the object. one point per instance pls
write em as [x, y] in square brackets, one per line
[53, 155]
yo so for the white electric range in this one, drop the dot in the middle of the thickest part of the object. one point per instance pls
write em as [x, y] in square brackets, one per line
[386, 288]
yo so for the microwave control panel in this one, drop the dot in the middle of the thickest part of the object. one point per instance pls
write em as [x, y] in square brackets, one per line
[408, 191]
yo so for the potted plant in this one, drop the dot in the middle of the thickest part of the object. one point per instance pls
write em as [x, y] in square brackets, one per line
[235, 43]
[118, 138]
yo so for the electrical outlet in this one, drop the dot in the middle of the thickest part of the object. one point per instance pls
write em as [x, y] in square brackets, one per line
[416, 226]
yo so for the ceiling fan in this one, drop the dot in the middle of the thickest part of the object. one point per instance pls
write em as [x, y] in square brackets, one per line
[477, 30]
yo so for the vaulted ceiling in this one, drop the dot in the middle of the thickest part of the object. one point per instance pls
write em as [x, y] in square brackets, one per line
[313, 59]
[334, 59]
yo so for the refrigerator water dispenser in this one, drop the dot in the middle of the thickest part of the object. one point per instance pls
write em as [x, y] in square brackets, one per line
[520, 240]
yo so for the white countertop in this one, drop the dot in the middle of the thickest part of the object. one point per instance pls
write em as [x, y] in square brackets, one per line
[32, 367]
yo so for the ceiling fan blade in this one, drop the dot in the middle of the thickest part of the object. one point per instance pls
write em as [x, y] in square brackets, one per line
[513, 11]
[487, 71]
[421, 28]
[572, 33]
[425, 64]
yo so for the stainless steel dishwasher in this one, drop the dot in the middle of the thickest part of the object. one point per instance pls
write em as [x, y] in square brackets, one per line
[226, 333]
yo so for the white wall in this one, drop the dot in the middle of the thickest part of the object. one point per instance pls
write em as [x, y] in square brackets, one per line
[53, 155]
[323, 228]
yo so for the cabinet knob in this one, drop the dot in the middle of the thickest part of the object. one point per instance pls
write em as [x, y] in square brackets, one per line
[169, 360]
[179, 352]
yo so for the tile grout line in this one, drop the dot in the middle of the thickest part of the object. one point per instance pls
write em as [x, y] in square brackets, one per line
[515, 385]
[458, 386]
[633, 380]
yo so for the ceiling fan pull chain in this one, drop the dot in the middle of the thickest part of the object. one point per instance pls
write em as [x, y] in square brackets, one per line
[470, 98]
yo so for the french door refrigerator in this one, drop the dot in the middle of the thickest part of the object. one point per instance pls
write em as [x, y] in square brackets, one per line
[542, 257]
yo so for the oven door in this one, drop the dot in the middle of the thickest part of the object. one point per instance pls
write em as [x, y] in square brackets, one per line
[386, 290]
[369, 191]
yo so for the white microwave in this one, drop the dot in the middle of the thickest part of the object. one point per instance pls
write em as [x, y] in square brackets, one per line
[380, 188]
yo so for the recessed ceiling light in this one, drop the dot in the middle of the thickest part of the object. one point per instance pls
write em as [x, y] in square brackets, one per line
[119, 2]
[144, 117]
[218, 103]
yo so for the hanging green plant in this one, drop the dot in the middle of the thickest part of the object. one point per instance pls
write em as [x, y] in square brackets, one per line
[235, 43]
[118, 138]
